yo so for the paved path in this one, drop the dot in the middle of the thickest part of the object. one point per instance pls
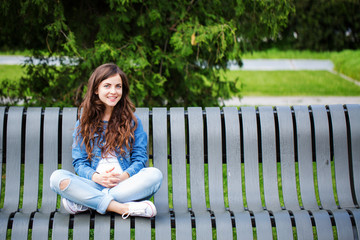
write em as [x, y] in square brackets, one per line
[282, 64]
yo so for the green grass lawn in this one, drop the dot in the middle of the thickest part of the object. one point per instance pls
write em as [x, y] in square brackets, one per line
[293, 83]
[13, 72]
[346, 61]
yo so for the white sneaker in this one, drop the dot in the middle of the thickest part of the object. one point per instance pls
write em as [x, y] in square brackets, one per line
[72, 207]
[140, 209]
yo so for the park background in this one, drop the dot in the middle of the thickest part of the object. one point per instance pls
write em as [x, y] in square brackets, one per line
[177, 53]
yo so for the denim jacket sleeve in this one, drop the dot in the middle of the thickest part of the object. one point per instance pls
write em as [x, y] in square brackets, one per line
[81, 162]
[138, 155]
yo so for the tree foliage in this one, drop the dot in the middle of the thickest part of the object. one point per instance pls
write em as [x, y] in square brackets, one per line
[323, 25]
[172, 51]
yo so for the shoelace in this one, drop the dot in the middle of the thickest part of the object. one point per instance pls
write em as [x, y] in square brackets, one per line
[134, 213]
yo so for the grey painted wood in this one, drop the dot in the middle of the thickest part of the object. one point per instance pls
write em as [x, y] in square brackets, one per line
[341, 156]
[60, 229]
[31, 174]
[40, 227]
[160, 154]
[354, 116]
[233, 159]
[303, 225]
[20, 226]
[283, 225]
[263, 225]
[2, 118]
[304, 154]
[50, 164]
[50, 157]
[251, 158]
[143, 114]
[197, 182]
[81, 222]
[252, 183]
[288, 175]
[343, 224]
[13, 159]
[268, 148]
[356, 215]
[102, 227]
[143, 226]
[69, 116]
[81, 227]
[178, 159]
[215, 173]
[233, 166]
[287, 158]
[13, 166]
[121, 228]
[270, 176]
[323, 158]
[323, 225]
[62, 218]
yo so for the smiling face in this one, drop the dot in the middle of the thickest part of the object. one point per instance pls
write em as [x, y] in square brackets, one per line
[110, 91]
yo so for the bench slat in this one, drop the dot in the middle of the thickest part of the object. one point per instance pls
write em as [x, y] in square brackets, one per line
[251, 158]
[69, 116]
[288, 175]
[354, 121]
[13, 159]
[178, 160]
[215, 169]
[341, 157]
[81, 227]
[197, 182]
[252, 178]
[50, 157]
[305, 157]
[13, 167]
[270, 177]
[50, 164]
[343, 224]
[121, 228]
[2, 118]
[323, 225]
[233, 159]
[31, 174]
[269, 163]
[160, 153]
[287, 158]
[142, 226]
[102, 227]
[323, 158]
[234, 180]
[62, 218]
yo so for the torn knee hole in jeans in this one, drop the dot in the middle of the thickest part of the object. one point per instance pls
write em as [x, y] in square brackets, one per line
[64, 184]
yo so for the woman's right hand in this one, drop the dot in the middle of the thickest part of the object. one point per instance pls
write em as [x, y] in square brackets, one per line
[108, 179]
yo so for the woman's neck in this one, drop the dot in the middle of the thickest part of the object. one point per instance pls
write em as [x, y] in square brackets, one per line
[107, 114]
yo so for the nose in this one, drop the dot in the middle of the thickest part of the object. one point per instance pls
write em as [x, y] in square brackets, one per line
[112, 90]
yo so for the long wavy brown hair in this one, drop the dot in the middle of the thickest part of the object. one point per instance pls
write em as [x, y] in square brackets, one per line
[122, 124]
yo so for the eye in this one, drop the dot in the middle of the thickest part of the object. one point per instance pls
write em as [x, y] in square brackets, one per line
[106, 85]
[118, 86]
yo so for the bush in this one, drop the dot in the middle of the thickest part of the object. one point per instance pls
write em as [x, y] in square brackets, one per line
[170, 50]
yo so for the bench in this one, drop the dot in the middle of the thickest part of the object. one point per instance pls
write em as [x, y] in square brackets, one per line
[264, 173]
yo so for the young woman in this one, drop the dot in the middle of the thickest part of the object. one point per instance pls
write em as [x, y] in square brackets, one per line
[109, 153]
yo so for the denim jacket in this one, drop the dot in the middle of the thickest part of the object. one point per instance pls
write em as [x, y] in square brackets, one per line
[132, 163]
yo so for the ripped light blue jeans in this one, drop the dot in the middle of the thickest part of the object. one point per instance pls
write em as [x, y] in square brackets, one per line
[141, 186]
